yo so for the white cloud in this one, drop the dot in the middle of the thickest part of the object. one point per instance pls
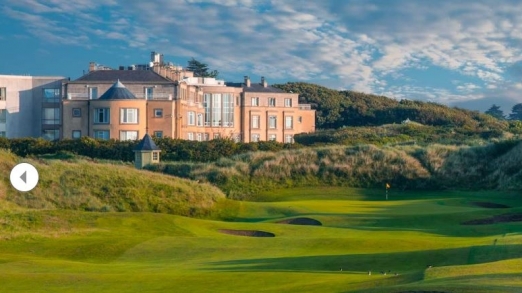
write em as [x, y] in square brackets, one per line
[348, 44]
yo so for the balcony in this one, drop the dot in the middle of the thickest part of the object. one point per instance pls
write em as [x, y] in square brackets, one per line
[155, 96]
[85, 96]
[305, 107]
[76, 96]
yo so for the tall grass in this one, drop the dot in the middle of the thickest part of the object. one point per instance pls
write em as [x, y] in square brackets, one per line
[90, 186]
[491, 166]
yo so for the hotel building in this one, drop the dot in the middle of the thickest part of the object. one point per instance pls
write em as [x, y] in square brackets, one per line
[30, 106]
[167, 101]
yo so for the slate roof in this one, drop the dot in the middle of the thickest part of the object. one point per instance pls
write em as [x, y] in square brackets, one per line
[147, 144]
[255, 87]
[123, 75]
[117, 92]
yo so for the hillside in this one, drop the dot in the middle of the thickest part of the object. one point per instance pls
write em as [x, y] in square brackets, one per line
[435, 167]
[336, 109]
[86, 185]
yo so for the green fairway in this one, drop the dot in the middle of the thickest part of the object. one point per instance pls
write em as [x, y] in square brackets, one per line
[74, 251]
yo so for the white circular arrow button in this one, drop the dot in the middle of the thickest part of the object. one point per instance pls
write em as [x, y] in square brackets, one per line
[24, 177]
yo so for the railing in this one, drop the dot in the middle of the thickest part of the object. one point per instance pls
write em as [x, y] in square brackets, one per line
[155, 96]
[305, 107]
[85, 96]
[77, 96]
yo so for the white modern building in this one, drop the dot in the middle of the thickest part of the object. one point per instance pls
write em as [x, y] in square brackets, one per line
[30, 106]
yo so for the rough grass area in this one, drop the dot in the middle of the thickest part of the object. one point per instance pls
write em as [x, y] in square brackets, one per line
[84, 185]
[435, 167]
[78, 251]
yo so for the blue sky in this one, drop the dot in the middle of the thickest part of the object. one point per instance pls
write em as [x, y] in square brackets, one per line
[464, 53]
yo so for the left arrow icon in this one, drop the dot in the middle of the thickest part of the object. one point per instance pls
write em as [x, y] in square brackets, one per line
[24, 177]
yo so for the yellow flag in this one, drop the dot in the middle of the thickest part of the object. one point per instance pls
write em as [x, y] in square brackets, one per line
[387, 186]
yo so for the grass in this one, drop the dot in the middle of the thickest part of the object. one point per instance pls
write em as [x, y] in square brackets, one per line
[84, 185]
[494, 166]
[78, 251]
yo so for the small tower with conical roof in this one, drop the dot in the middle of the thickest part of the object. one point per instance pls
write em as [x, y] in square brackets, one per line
[146, 153]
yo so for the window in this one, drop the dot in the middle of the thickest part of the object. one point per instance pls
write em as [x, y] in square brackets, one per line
[101, 115]
[255, 137]
[237, 138]
[51, 95]
[51, 116]
[288, 102]
[255, 122]
[155, 156]
[3, 115]
[191, 118]
[129, 116]
[77, 112]
[3, 134]
[289, 138]
[255, 102]
[216, 110]
[200, 119]
[219, 110]
[149, 93]
[51, 134]
[272, 137]
[3, 93]
[128, 135]
[190, 136]
[158, 134]
[228, 110]
[300, 119]
[101, 134]
[289, 122]
[158, 113]
[217, 135]
[272, 122]
[93, 93]
[207, 98]
[76, 134]
[271, 102]
[199, 136]
[206, 136]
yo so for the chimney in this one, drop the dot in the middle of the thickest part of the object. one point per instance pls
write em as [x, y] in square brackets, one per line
[263, 81]
[247, 81]
[92, 66]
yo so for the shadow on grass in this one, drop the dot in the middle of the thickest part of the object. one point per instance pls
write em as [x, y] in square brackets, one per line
[440, 224]
[399, 262]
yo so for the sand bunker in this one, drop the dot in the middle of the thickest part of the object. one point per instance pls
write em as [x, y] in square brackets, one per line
[505, 218]
[249, 233]
[301, 221]
[423, 292]
[490, 205]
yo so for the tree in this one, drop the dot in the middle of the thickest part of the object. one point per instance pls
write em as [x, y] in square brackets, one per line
[200, 69]
[516, 112]
[496, 112]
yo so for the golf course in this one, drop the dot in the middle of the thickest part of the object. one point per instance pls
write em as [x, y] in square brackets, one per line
[307, 239]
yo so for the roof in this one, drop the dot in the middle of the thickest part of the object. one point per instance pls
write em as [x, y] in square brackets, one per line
[147, 144]
[255, 87]
[123, 75]
[117, 92]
